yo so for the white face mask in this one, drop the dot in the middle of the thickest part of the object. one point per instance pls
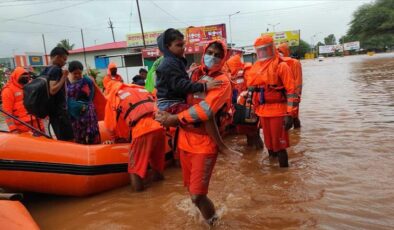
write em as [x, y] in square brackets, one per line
[211, 61]
[265, 52]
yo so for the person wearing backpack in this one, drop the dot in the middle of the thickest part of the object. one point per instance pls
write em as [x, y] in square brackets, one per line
[12, 96]
[58, 116]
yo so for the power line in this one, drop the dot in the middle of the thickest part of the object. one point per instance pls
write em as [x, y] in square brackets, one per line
[47, 11]
[166, 12]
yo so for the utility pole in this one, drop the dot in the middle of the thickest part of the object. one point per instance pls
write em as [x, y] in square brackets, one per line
[142, 28]
[111, 26]
[84, 53]
[229, 22]
[45, 49]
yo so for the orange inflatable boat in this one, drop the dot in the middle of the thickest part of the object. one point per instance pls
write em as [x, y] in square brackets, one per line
[14, 216]
[38, 164]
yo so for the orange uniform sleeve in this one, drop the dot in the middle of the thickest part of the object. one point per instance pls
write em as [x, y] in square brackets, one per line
[213, 102]
[8, 106]
[297, 70]
[287, 78]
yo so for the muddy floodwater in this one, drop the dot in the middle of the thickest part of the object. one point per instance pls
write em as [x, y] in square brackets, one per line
[341, 173]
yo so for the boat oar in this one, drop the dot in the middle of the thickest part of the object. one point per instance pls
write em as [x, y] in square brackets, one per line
[26, 124]
[11, 196]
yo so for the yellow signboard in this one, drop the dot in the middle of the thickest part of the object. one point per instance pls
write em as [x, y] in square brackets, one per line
[291, 37]
[135, 40]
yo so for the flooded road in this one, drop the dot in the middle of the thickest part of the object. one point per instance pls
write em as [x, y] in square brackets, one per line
[340, 176]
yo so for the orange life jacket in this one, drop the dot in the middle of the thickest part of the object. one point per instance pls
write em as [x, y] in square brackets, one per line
[134, 103]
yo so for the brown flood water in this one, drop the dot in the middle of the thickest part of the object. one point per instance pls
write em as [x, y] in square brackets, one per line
[340, 177]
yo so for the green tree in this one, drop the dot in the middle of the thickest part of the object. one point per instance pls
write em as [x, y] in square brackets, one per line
[373, 25]
[301, 50]
[330, 40]
[65, 43]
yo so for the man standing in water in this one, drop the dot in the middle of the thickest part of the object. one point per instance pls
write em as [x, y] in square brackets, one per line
[277, 102]
[198, 150]
[296, 69]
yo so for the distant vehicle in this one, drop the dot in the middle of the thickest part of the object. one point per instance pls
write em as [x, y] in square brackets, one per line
[320, 58]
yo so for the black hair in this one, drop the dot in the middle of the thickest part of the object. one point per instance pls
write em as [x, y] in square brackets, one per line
[75, 65]
[142, 70]
[217, 45]
[59, 51]
[171, 35]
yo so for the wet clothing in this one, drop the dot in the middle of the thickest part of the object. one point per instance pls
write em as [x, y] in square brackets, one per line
[148, 136]
[147, 149]
[197, 171]
[172, 81]
[12, 98]
[276, 138]
[198, 151]
[139, 80]
[82, 111]
[58, 116]
[276, 97]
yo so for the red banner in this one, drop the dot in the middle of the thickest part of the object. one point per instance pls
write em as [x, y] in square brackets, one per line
[204, 34]
[151, 52]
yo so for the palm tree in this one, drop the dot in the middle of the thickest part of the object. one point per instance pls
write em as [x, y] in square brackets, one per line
[65, 43]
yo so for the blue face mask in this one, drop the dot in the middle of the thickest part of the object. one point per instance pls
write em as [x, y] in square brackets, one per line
[210, 61]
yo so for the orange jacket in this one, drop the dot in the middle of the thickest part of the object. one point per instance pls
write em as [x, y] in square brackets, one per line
[214, 100]
[294, 65]
[108, 78]
[120, 127]
[296, 69]
[12, 96]
[276, 78]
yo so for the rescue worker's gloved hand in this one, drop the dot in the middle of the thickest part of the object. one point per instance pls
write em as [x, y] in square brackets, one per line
[288, 122]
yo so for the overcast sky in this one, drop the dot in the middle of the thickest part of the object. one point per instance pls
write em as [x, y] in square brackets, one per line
[22, 23]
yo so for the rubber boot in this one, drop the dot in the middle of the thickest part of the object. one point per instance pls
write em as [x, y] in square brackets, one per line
[297, 123]
[283, 159]
[272, 154]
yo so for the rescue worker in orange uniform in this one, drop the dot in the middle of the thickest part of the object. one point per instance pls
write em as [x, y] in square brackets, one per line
[237, 70]
[276, 100]
[129, 117]
[198, 150]
[12, 97]
[296, 68]
[112, 75]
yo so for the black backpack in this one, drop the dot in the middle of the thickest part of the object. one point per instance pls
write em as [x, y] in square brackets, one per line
[36, 97]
